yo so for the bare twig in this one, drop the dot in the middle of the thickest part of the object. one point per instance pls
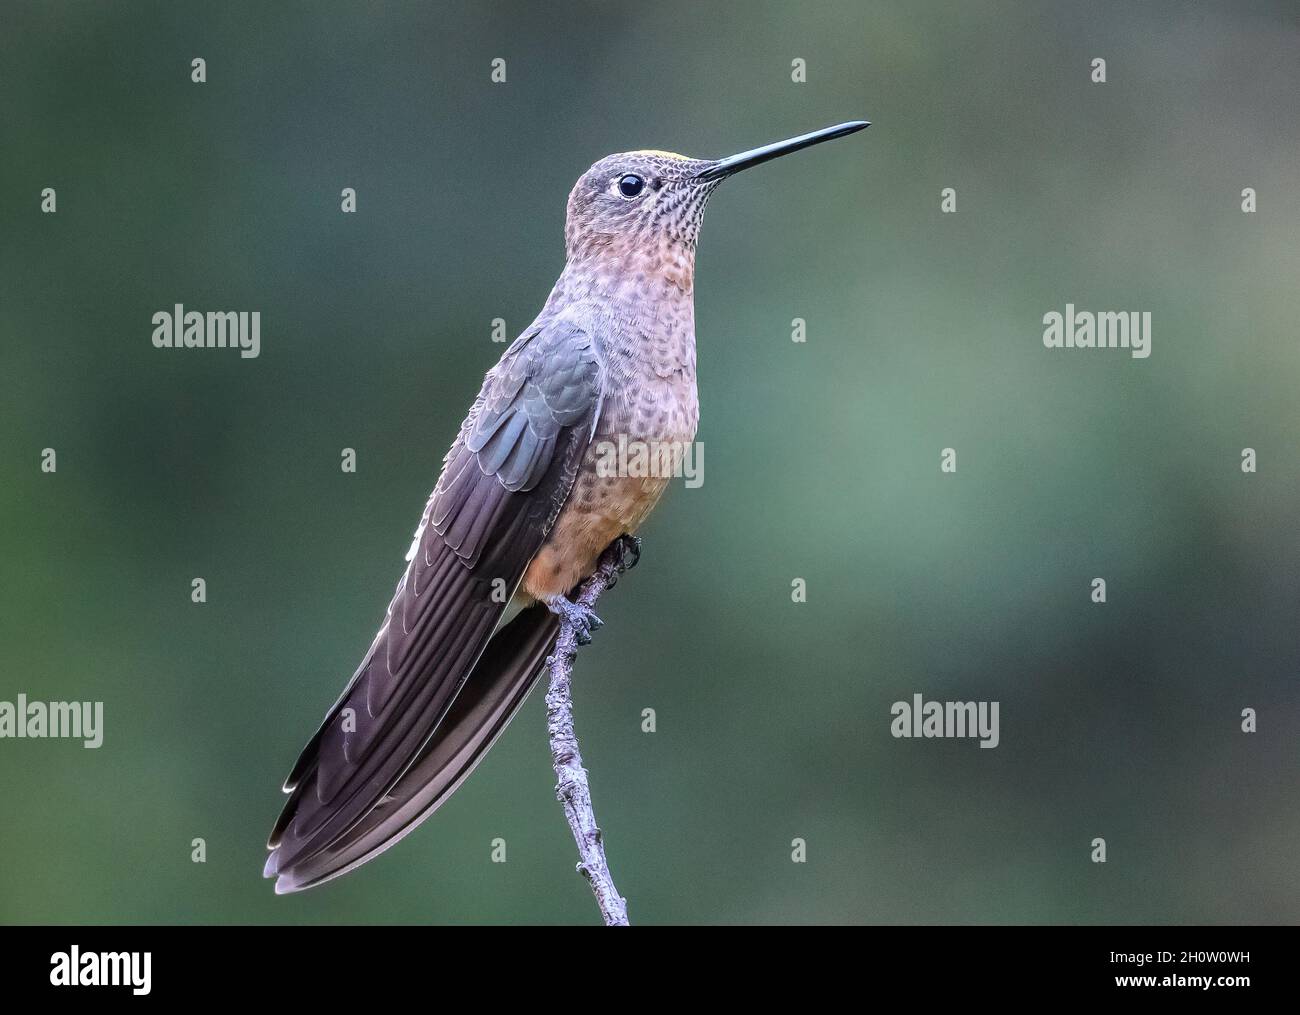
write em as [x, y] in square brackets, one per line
[572, 788]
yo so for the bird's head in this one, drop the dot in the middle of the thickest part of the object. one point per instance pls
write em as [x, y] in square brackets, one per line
[654, 201]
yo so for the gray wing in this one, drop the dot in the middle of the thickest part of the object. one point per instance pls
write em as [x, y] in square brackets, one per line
[502, 484]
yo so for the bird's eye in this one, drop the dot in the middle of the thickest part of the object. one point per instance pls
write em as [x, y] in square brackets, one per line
[630, 185]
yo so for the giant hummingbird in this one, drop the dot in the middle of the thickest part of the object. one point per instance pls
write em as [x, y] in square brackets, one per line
[520, 514]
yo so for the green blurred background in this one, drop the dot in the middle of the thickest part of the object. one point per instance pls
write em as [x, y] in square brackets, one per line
[822, 459]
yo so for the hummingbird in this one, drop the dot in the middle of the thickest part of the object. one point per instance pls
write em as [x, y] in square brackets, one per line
[520, 514]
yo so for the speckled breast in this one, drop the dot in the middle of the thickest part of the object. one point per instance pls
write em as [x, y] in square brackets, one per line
[643, 433]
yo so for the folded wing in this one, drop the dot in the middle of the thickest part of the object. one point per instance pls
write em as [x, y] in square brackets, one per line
[503, 482]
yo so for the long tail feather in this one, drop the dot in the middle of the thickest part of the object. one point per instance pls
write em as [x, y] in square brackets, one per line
[497, 686]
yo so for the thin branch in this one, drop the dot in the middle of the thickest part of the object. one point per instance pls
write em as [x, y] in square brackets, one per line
[571, 788]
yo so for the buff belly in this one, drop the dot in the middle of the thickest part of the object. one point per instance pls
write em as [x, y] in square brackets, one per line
[598, 511]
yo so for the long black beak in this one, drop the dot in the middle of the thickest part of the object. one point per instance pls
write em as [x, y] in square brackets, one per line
[725, 167]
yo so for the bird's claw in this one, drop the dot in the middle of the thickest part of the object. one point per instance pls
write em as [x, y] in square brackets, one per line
[582, 619]
[627, 552]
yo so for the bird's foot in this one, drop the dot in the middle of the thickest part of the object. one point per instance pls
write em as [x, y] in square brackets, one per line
[627, 552]
[581, 618]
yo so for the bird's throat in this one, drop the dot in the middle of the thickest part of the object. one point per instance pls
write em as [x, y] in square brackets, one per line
[612, 268]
